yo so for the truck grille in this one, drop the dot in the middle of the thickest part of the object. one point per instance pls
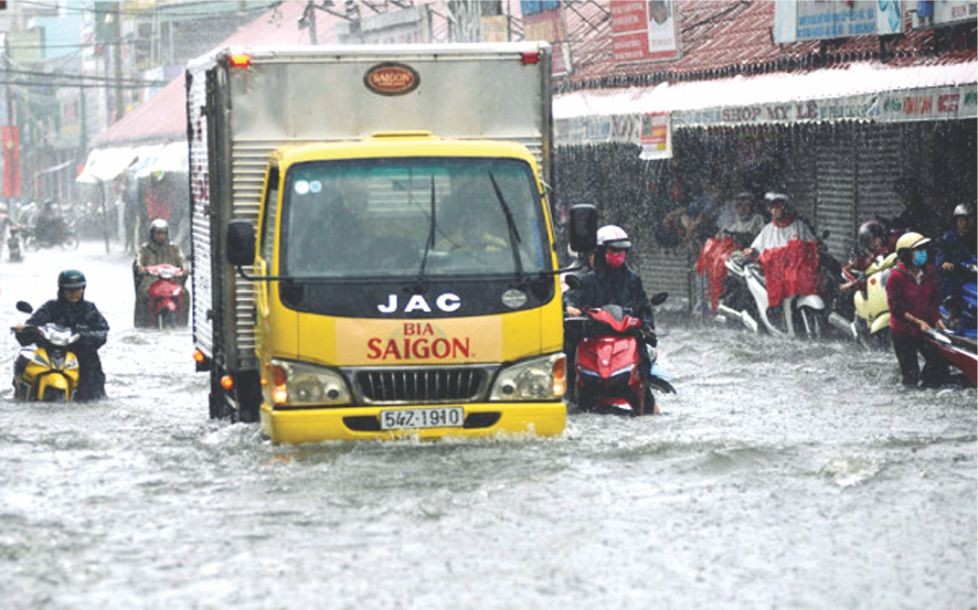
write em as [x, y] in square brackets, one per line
[421, 385]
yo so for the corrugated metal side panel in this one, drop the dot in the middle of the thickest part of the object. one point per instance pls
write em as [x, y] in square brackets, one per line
[881, 152]
[248, 162]
[200, 219]
[835, 191]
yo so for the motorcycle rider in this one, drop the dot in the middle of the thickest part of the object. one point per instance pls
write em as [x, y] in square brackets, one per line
[747, 224]
[613, 282]
[913, 297]
[157, 251]
[49, 226]
[784, 226]
[871, 243]
[70, 309]
[957, 247]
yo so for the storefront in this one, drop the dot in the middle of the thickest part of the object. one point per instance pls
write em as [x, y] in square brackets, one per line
[837, 140]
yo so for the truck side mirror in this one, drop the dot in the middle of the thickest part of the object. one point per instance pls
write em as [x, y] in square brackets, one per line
[241, 243]
[583, 227]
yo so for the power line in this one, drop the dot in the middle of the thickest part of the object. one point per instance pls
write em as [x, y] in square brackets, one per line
[160, 10]
[76, 84]
[68, 76]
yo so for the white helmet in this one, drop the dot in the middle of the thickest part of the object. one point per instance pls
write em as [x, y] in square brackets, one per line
[159, 225]
[962, 209]
[613, 236]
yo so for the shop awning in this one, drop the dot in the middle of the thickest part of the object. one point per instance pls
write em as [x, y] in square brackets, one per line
[858, 91]
[105, 164]
[168, 158]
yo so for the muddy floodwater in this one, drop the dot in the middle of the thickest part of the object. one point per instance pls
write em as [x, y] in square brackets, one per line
[783, 475]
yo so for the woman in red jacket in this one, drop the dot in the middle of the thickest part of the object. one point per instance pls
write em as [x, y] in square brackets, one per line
[914, 296]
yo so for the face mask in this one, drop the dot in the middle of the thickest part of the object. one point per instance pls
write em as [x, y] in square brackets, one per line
[614, 259]
[920, 258]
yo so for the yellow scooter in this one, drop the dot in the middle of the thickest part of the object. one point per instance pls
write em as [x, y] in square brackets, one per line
[47, 371]
[872, 308]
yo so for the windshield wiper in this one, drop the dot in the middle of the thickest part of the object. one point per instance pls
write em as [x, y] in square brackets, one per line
[514, 234]
[419, 283]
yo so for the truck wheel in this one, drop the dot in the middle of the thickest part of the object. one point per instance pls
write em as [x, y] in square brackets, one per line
[247, 411]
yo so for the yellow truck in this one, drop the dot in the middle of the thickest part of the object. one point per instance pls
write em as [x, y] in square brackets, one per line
[372, 241]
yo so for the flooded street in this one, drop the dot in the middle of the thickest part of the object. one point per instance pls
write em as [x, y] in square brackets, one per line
[783, 475]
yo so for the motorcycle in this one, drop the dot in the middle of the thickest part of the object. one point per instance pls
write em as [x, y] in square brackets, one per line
[871, 322]
[608, 375]
[968, 298]
[60, 232]
[48, 370]
[167, 295]
[958, 352]
[745, 299]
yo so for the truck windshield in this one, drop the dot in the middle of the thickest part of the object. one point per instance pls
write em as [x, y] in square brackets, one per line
[383, 217]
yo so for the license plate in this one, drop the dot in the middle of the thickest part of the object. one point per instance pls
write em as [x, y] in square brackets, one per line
[444, 417]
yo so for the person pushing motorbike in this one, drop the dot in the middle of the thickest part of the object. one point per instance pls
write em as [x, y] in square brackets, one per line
[157, 251]
[913, 297]
[70, 309]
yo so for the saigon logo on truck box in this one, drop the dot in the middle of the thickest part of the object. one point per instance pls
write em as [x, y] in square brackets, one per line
[391, 78]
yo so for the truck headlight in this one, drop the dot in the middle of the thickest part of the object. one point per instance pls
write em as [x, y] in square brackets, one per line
[294, 383]
[542, 378]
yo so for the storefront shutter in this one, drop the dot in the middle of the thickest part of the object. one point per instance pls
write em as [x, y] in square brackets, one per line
[836, 189]
[880, 163]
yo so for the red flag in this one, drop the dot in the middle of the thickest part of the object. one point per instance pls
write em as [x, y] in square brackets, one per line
[712, 258]
[790, 270]
[10, 139]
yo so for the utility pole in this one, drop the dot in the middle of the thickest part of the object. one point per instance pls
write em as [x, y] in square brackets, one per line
[117, 60]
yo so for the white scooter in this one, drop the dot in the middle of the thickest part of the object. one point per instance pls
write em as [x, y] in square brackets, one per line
[745, 299]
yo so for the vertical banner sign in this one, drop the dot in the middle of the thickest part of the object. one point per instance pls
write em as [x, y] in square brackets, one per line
[10, 139]
[645, 31]
[656, 136]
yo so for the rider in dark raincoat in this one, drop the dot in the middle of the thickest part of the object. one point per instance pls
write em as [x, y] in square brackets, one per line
[71, 310]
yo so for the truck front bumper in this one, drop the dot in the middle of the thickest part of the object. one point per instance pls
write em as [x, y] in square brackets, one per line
[295, 426]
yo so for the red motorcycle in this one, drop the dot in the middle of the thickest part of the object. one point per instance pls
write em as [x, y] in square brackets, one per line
[167, 295]
[608, 363]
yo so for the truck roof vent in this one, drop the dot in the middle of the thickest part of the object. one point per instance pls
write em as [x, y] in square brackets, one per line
[401, 134]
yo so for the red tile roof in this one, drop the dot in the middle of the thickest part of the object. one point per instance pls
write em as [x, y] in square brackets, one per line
[726, 37]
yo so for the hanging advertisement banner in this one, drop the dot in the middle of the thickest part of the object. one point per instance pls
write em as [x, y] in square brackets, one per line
[10, 140]
[825, 19]
[656, 136]
[645, 31]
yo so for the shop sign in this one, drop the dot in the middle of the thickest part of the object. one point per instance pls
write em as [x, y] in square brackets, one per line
[821, 20]
[950, 11]
[932, 104]
[656, 137]
[645, 31]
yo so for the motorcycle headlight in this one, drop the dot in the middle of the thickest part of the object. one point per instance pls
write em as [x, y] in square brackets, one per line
[542, 378]
[294, 383]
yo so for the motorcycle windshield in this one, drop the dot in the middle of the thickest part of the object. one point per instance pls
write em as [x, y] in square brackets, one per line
[410, 217]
